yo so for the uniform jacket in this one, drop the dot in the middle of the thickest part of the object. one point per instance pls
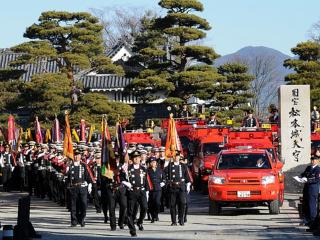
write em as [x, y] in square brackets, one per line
[156, 178]
[174, 174]
[313, 179]
[139, 178]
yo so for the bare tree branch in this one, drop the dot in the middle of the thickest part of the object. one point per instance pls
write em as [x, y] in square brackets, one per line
[119, 23]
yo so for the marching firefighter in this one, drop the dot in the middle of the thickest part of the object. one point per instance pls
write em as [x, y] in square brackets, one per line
[139, 185]
[95, 165]
[7, 164]
[80, 184]
[178, 183]
[114, 192]
[154, 203]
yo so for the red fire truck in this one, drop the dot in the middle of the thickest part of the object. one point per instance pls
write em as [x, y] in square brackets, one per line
[244, 176]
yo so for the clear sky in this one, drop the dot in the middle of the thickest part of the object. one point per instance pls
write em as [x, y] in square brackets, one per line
[279, 24]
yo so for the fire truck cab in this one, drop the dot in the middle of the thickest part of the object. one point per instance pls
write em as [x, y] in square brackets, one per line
[244, 176]
[207, 142]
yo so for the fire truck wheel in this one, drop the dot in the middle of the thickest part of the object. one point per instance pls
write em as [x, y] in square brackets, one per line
[274, 207]
[214, 208]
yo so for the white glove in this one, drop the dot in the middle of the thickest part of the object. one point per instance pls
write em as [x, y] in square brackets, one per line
[188, 187]
[99, 193]
[147, 195]
[127, 184]
[162, 184]
[89, 188]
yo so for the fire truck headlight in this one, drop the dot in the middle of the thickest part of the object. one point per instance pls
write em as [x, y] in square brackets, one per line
[268, 179]
[217, 180]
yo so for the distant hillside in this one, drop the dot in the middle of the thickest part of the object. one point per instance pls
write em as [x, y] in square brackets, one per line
[267, 65]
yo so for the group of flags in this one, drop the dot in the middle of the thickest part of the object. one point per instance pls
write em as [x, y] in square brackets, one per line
[15, 135]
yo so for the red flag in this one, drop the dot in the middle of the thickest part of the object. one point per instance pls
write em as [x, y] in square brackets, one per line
[56, 133]
[11, 130]
[83, 130]
[38, 133]
[173, 143]
[67, 143]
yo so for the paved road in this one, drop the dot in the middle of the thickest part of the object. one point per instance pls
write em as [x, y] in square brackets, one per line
[52, 222]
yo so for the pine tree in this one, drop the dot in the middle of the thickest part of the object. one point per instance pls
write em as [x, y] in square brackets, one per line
[149, 49]
[183, 28]
[165, 48]
[306, 67]
[233, 92]
[72, 40]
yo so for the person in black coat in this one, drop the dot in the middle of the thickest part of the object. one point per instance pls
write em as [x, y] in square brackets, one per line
[80, 184]
[178, 182]
[8, 164]
[311, 191]
[114, 192]
[250, 121]
[156, 176]
[138, 186]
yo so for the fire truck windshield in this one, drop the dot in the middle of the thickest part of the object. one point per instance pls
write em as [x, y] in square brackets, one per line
[211, 148]
[243, 161]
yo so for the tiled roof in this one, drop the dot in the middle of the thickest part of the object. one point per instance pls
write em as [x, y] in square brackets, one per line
[104, 82]
[7, 56]
[90, 81]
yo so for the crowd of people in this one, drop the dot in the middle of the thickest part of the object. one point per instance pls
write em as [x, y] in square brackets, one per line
[143, 182]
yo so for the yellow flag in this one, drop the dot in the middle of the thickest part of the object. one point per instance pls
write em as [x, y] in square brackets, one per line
[48, 136]
[92, 128]
[75, 134]
[28, 135]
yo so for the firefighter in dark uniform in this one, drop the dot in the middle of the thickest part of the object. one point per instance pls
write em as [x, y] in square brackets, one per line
[250, 120]
[154, 203]
[138, 187]
[178, 183]
[8, 165]
[114, 192]
[95, 165]
[28, 155]
[312, 174]
[213, 120]
[80, 184]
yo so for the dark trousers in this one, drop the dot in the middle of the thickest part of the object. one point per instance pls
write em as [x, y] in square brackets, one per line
[96, 197]
[31, 180]
[154, 203]
[313, 206]
[305, 204]
[105, 202]
[177, 199]
[6, 177]
[114, 197]
[78, 204]
[134, 197]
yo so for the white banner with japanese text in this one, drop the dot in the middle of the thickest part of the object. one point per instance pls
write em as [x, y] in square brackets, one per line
[295, 125]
